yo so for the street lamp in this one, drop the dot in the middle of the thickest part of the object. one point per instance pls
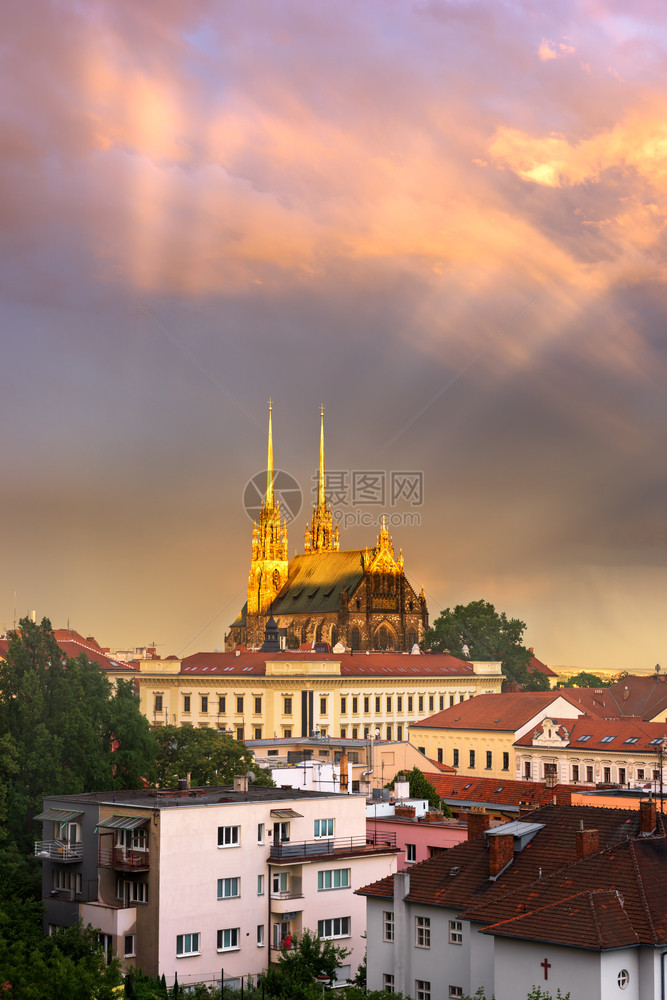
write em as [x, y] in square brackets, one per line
[324, 979]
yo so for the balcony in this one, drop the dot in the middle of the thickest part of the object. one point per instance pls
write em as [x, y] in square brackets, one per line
[373, 843]
[290, 889]
[123, 860]
[58, 850]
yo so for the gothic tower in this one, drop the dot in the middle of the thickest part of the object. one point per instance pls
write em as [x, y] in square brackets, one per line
[321, 536]
[268, 565]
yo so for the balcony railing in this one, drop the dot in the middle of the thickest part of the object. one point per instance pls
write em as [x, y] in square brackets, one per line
[122, 860]
[333, 845]
[58, 850]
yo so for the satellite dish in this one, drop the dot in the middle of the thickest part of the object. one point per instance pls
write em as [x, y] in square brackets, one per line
[251, 775]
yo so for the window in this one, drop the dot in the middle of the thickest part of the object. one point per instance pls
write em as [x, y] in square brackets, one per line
[399, 733]
[228, 939]
[229, 888]
[158, 702]
[186, 702]
[506, 761]
[287, 734]
[260, 885]
[279, 883]
[410, 703]
[287, 706]
[258, 732]
[388, 925]
[187, 944]
[222, 704]
[258, 706]
[575, 772]
[527, 771]
[355, 706]
[421, 702]
[441, 703]
[239, 705]
[422, 989]
[655, 742]
[389, 703]
[366, 732]
[323, 706]
[367, 705]
[410, 853]
[423, 932]
[621, 775]
[280, 832]
[229, 836]
[260, 935]
[472, 758]
[377, 705]
[343, 705]
[489, 760]
[439, 755]
[607, 739]
[355, 732]
[106, 940]
[632, 739]
[334, 927]
[388, 982]
[451, 701]
[323, 828]
[456, 932]
[388, 732]
[589, 773]
[455, 758]
[129, 946]
[66, 881]
[640, 774]
[343, 732]
[607, 775]
[335, 878]
[455, 991]
[583, 739]
[204, 704]
[139, 892]
[240, 734]
[399, 703]
[623, 979]
[431, 703]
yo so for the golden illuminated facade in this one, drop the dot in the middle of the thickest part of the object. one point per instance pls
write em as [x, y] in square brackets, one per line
[268, 564]
[359, 598]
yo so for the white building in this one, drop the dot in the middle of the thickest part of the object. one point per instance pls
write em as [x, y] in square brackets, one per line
[568, 897]
[198, 881]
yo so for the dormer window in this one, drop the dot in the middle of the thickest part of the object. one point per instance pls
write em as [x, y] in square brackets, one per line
[583, 739]
[607, 739]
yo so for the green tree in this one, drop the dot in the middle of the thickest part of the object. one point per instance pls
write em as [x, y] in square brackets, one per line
[420, 788]
[584, 679]
[295, 974]
[476, 631]
[209, 757]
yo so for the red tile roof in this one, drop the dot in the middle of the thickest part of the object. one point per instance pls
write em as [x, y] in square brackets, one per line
[496, 791]
[536, 666]
[74, 648]
[352, 664]
[500, 712]
[599, 732]
[459, 878]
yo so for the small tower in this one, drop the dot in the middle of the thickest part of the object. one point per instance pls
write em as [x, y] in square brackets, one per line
[268, 565]
[321, 536]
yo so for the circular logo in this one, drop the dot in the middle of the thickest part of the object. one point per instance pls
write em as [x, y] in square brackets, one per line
[285, 489]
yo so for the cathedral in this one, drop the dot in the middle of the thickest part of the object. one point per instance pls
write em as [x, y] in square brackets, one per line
[358, 598]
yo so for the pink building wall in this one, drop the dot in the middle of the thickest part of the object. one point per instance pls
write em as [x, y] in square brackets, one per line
[426, 838]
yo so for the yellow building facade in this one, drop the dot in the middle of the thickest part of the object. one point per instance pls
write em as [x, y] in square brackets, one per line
[256, 695]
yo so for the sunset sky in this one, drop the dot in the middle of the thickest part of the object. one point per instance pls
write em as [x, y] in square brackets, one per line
[445, 221]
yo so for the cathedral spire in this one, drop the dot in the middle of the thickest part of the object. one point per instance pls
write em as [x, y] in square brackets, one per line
[321, 535]
[321, 487]
[268, 499]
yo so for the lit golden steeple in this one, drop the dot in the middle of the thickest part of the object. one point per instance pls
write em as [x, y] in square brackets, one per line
[268, 565]
[322, 536]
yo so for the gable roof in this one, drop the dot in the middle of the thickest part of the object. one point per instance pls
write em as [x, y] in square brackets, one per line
[316, 581]
[500, 712]
[459, 878]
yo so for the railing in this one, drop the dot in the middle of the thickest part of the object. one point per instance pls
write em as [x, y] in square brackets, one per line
[333, 845]
[58, 850]
[127, 861]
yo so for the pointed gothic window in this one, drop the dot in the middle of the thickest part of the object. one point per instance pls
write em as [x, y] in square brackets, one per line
[355, 638]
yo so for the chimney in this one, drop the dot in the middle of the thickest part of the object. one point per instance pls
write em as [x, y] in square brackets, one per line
[344, 775]
[501, 853]
[588, 842]
[406, 812]
[434, 816]
[563, 796]
[478, 822]
[240, 782]
[648, 818]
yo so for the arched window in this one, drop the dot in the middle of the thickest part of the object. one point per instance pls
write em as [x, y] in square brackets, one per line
[318, 632]
[304, 633]
[383, 638]
[334, 636]
[355, 638]
[276, 579]
[411, 638]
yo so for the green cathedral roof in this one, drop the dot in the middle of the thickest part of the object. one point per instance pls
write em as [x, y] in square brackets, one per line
[316, 581]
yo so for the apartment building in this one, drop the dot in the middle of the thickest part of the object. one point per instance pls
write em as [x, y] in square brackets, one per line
[199, 881]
